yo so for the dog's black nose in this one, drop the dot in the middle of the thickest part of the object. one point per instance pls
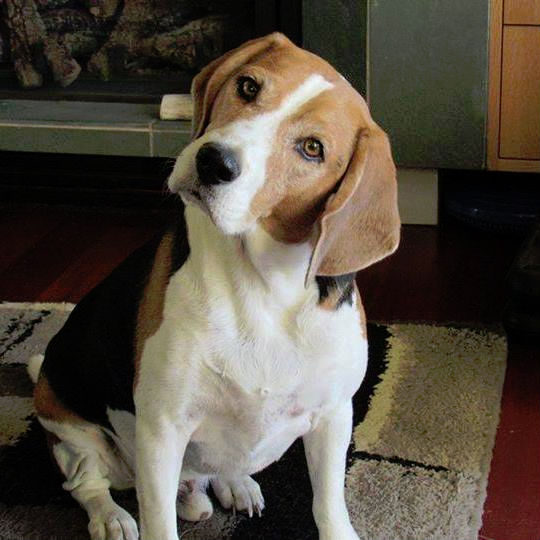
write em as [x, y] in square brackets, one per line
[216, 164]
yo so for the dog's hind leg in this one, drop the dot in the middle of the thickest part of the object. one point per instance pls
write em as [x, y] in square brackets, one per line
[193, 502]
[89, 460]
[91, 466]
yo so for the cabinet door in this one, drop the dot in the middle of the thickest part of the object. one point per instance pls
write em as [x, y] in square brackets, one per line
[520, 93]
[514, 86]
[521, 12]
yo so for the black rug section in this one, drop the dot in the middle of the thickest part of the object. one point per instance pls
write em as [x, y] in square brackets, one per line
[28, 475]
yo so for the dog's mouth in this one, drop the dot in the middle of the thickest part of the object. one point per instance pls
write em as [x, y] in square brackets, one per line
[196, 198]
[191, 195]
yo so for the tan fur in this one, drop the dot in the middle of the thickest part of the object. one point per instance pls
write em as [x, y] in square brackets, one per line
[360, 223]
[150, 313]
[295, 191]
[210, 81]
[346, 206]
[278, 71]
[49, 406]
[288, 208]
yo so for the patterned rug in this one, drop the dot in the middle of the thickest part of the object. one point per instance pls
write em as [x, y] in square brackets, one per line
[425, 423]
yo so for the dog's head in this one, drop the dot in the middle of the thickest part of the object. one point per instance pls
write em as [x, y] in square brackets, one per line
[280, 139]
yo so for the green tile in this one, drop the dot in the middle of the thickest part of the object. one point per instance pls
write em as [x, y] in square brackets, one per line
[169, 143]
[123, 129]
[75, 140]
[78, 112]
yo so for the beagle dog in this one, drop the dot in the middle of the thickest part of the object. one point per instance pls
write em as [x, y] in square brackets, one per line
[207, 353]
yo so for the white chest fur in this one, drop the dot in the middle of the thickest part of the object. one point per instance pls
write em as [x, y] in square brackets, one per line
[245, 349]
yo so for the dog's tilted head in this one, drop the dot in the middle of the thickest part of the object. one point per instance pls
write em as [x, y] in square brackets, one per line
[280, 139]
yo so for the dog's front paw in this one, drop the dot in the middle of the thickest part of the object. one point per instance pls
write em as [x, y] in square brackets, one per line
[241, 493]
[113, 523]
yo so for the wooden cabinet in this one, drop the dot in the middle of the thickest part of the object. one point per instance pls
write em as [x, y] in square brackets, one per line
[514, 86]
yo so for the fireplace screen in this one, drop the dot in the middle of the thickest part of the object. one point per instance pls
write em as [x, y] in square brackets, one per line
[94, 49]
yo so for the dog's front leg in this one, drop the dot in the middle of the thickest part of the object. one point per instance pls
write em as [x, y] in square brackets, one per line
[326, 453]
[160, 447]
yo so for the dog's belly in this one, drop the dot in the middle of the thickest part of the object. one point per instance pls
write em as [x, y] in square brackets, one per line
[233, 446]
[224, 444]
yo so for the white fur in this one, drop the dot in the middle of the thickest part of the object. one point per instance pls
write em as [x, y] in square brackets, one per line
[245, 362]
[252, 140]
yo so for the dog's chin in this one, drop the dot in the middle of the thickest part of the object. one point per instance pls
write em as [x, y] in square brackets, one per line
[225, 223]
[190, 196]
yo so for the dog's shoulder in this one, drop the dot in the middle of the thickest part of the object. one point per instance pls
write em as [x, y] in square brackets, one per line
[90, 363]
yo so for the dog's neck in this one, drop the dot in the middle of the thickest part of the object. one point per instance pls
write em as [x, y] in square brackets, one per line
[254, 257]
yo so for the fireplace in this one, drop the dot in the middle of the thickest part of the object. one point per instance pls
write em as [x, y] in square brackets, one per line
[87, 76]
[125, 50]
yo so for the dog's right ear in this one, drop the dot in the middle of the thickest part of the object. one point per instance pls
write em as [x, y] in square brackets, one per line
[207, 83]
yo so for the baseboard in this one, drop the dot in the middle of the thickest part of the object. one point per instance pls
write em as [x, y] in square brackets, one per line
[418, 196]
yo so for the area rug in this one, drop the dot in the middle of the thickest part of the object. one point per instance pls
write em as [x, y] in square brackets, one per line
[425, 423]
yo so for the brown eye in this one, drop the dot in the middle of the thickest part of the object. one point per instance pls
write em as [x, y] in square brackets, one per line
[312, 149]
[248, 88]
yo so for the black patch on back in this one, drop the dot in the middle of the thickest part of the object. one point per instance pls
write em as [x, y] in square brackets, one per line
[343, 283]
[90, 362]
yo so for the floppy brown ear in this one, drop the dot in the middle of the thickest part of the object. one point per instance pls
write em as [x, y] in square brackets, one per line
[360, 223]
[207, 83]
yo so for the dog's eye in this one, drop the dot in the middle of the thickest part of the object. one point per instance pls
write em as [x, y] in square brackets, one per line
[312, 149]
[248, 88]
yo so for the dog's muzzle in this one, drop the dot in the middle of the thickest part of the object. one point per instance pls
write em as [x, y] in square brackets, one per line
[216, 164]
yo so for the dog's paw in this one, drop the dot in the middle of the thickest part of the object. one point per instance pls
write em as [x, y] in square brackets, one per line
[193, 502]
[113, 524]
[241, 493]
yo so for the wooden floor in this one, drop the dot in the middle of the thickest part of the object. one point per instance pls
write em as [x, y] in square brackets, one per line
[450, 273]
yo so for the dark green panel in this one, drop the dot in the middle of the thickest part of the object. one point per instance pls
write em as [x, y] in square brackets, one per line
[428, 67]
[336, 31]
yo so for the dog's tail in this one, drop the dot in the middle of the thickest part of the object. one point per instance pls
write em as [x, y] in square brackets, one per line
[34, 367]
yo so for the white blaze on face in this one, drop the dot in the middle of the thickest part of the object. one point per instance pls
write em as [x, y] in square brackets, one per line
[252, 140]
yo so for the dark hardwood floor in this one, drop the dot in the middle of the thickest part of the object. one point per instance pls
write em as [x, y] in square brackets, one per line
[447, 273]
